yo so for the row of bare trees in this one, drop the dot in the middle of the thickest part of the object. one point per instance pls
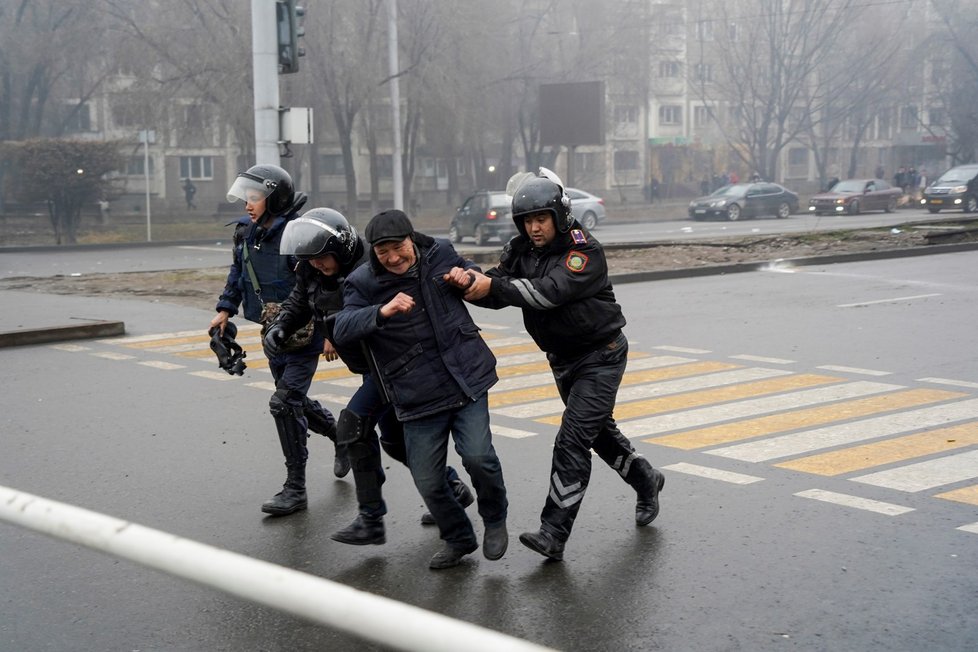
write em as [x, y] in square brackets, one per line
[785, 71]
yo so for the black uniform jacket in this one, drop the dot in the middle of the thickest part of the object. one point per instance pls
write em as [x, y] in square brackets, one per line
[568, 304]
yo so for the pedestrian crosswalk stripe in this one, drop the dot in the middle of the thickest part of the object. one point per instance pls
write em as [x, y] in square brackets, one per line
[849, 433]
[947, 381]
[519, 358]
[659, 372]
[514, 348]
[663, 388]
[681, 349]
[153, 337]
[963, 495]
[494, 341]
[199, 338]
[72, 348]
[112, 355]
[330, 399]
[878, 506]
[712, 474]
[747, 408]
[888, 451]
[335, 372]
[512, 433]
[971, 527]
[926, 475]
[547, 377]
[213, 375]
[854, 370]
[160, 364]
[761, 358]
[804, 418]
[730, 393]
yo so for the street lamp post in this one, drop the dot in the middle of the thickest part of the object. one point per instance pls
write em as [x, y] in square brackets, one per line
[147, 136]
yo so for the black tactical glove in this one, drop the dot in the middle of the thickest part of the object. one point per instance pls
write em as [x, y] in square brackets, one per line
[275, 338]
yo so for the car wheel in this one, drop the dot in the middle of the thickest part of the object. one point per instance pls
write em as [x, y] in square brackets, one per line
[854, 208]
[453, 233]
[733, 212]
[970, 204]
[934, 210]
[891, 205]
[481, 237]
[783, 210]
[589, 221]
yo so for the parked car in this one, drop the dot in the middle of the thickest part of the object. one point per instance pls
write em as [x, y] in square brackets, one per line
[853, 196]
[955, 189]
[485, 214]
[745, 200]
[587, 209]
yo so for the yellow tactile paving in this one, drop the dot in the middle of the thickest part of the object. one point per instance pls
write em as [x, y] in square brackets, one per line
[856, 458]
[514, 349]
[711, 396]
[630, 378]
[805, 418]
[963, 495]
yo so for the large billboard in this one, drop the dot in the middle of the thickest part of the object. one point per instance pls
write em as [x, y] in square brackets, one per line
[572, 113]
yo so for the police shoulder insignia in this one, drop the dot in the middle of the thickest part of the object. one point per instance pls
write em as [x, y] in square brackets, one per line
[576, 261]
[579, 237]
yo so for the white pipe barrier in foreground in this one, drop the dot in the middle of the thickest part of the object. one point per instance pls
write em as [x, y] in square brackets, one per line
[335, 605]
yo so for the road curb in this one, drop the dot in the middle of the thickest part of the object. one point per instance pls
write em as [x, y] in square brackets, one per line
[29, 336]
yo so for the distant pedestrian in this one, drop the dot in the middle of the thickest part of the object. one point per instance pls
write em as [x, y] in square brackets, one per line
[189, 190]
[880, 171]
[653, 190]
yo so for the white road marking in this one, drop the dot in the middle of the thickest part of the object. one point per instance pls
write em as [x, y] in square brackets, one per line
[849, 433]
[547, 378]
[888, 509]
[512, 433]
[651, 390]
[200, 248]
[854, 370]
[73, 348]
[971, 527]
[327, 398]
[159, 364]
[680, 349]
[262, 385]
[947, 381]
[751, 407]
[212, 375]
[712, 474]
[761, 358]
[893, 300]
[112, 355]
[926, 475]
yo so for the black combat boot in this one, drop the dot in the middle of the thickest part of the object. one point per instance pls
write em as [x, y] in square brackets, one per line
[292, 498]
[544, 543]
[364, 530]
[341, 463]
[647, 505]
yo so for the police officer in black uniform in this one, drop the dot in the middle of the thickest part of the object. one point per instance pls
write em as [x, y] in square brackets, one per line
[329, 249]
[557, 273]
[258, 275]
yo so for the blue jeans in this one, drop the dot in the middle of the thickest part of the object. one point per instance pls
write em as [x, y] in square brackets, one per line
[426, 441]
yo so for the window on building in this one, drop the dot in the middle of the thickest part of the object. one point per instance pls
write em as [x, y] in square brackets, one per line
[626, 114]
[670, 115]
[196, 167]
[135, 166]
[195, 120]
[702, 116]
[668, 69]
[908, 117]
[385, 168]
[797, 156]
[704, 30]
[626, 159]
[703, 72]
[332, 165]
[936, 117]
[78, 117]
[125, 115]
[732, 34]
[585, 161]
[884, 122]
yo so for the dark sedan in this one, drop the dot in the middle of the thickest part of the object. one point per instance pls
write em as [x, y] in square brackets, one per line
[745, 200]
[853, 196]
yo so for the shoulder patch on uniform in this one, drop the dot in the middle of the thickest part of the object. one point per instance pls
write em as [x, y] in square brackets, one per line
[576, 261]
[579, 237]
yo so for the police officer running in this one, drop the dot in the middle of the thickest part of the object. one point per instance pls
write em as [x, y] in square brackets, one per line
[329, 249]
[557, 273]
[259, 275]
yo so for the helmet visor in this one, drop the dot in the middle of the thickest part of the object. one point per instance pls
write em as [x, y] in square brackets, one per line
[247, 188]
[306, 238]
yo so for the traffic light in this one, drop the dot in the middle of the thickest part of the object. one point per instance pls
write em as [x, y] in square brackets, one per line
[289, 17]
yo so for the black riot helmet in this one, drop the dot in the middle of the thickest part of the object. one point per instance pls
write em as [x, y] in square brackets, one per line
[271, 182]
[545, 192]
[321, 231]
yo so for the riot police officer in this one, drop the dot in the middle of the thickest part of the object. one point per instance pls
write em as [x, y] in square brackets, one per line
[557, 273]
[329, 249]
[259, 275]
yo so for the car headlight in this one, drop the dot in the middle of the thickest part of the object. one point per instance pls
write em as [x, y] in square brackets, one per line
[719, 203]
[840, 201]
[959, 189]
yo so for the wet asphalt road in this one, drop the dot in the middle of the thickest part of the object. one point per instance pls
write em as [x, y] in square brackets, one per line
[729, 565]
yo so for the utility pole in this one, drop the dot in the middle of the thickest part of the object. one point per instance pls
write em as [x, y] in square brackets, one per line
[395, 103]
[264, 56]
